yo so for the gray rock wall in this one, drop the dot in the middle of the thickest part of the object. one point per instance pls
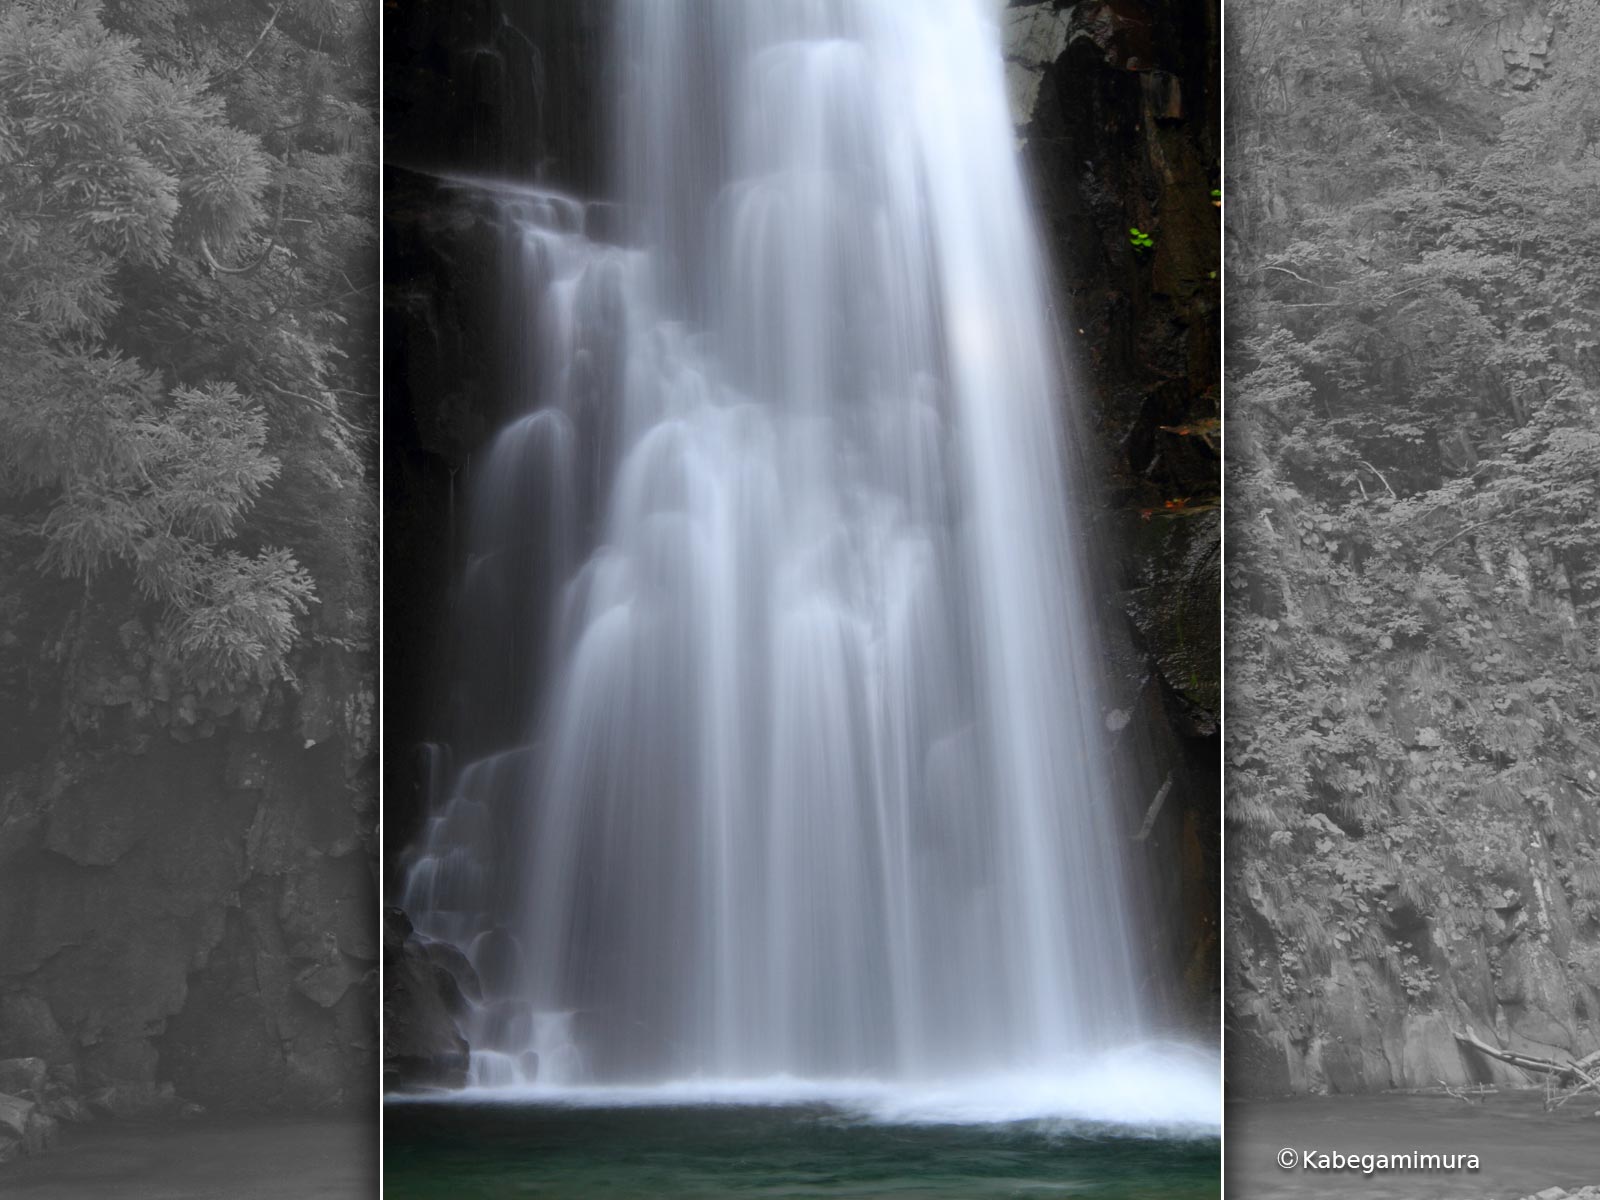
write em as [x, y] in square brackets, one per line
[187, 883]
[1354, 957]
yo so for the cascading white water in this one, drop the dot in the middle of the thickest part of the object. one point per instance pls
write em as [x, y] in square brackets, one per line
[781, 562]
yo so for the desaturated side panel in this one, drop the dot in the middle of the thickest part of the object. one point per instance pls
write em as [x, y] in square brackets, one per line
[188, 935]
[1413, 579]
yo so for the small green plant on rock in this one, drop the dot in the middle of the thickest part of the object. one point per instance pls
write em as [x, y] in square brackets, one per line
[1139, 239]
[1417, 978]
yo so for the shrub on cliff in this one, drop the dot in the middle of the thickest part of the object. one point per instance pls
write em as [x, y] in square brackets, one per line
[176, 217]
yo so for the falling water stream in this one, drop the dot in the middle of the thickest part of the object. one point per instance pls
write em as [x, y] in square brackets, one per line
[782, 765]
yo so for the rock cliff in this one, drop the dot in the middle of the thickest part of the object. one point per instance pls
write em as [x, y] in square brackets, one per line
[1412, 794]
[188, 912]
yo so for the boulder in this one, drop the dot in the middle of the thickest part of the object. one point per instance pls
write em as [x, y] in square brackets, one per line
[94, 826]
[23, 1076]
[64, 1106]
[335, 896]
[423, 1045]
[24, 1128]
[459, 968]
[14, 1115]
[28, 1029]
[325, 984]
[120, 1060]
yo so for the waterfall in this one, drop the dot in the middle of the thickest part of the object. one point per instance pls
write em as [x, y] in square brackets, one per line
[781, 740]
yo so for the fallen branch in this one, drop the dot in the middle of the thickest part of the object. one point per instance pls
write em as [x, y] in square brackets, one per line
[272, 240]
[1588, 1083]
[1363, 462]
[1577, 1070]
[1465, 1095]
[1275, 267]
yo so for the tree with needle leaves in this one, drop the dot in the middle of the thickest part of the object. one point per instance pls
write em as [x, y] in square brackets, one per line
[138, 454]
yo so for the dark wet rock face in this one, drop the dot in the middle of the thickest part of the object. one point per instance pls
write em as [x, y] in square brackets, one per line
[187, 882]
[427, 987]
[1116, 109]
[442, 390]
[505, 88]
[1117, 114]
[24, 1127]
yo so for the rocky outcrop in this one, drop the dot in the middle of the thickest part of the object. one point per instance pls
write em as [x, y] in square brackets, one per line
[38, 1099]
[1412, 854]
[1510, 54]
[426, 988]
[187, 881]
[1034, 36]
[25, 1128]
[1499, 957]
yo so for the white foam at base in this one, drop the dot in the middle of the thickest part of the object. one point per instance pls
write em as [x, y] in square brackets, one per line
[1158, 1088]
